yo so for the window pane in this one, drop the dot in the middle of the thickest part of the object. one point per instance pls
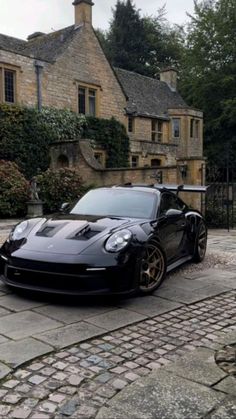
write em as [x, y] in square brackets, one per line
[82, 100]
[154, 136]
[130, 124]
[191, 128]
[159, 136]
[160, 126]
[92, 102]
[176, 127]
[9, 86]
[155, 162]
[134, 161]
[197, 129]
[153, 125]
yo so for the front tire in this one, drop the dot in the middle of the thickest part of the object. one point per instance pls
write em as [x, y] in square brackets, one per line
[152, 268]
[201, 243]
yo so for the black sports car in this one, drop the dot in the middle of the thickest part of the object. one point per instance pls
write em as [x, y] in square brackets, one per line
[114, 240]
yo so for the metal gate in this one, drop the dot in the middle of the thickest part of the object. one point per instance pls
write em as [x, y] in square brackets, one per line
[220, 204]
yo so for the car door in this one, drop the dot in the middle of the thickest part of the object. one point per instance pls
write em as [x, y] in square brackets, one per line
[172, 226]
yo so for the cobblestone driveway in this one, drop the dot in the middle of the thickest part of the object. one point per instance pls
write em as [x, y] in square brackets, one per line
[77, 381]
[193, 309]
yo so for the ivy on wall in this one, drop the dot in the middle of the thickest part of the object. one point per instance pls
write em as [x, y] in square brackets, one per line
[26, 135]
[111, 136]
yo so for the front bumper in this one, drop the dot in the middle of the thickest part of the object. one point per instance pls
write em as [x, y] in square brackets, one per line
[85, 277]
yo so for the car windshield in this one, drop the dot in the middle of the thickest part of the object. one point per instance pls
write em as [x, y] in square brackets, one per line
[117, 203]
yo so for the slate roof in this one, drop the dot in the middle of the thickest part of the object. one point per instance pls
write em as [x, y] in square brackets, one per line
[146, 96]
[46, 47]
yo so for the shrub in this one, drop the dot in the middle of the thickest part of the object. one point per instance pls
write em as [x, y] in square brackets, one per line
[14, 190]
[58, 186]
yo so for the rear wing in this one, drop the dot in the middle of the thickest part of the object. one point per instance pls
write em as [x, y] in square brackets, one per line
[182, 188]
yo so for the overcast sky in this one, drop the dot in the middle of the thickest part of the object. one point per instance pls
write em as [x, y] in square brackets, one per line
[19, 18]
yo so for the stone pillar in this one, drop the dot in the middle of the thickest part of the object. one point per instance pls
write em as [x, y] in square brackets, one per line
[35, 208]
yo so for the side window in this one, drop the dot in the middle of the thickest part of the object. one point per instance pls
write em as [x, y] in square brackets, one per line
[169, 201]
[166, 203]
[180, 204]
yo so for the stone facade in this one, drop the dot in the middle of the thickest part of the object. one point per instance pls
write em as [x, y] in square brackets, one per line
[50, 69]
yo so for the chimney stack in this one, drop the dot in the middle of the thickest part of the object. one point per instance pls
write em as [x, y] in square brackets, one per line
[83, 12]
[169, 76]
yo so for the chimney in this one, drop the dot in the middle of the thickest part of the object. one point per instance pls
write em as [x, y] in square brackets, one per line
[169, 76]
[35, 35]
[83, 12]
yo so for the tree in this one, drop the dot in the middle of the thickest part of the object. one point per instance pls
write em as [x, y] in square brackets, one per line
[208, 74]
[126, 38]
[165, 43]
[141, 44]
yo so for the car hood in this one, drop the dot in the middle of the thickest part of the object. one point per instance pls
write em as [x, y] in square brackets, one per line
[71, 234]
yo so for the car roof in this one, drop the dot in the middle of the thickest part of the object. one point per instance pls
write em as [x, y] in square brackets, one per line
[138, 187]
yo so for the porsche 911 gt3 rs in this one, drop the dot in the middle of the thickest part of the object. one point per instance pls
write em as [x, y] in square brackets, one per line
[114, 240]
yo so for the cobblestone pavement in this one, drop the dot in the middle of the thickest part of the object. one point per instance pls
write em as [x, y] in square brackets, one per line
[78, 381]
[85, 354]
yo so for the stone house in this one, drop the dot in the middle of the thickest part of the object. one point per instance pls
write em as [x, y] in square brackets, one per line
[68, 69]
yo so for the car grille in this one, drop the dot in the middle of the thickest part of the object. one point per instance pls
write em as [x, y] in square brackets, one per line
[40, 280]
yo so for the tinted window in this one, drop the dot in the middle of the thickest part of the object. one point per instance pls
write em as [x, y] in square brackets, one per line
[169, 201]
[117, 202]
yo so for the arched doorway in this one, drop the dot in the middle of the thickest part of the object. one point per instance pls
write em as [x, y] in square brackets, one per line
[62, 161]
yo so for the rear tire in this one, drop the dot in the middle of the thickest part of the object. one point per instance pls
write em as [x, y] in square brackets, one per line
[200, 243]
[152, 268]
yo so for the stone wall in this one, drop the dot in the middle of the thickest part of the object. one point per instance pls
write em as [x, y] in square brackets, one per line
[26, 87]
[94, 174]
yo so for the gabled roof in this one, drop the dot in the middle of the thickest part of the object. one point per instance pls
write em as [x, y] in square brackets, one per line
[45, 47]
[148, 97]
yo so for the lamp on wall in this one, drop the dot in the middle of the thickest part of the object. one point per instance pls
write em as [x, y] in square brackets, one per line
[183, 168]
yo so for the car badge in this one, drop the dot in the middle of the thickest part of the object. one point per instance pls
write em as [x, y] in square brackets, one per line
[50, 246]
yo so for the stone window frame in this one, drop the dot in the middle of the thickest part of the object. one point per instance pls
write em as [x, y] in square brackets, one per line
[15, 70]
[134, 160]
[89, 87]
[173, 128]
[157, 130]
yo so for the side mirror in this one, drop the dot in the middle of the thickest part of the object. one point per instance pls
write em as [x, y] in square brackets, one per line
[173, 212]
[64, 207]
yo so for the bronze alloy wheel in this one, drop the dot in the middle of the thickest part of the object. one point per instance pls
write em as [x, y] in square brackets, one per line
[153, 268]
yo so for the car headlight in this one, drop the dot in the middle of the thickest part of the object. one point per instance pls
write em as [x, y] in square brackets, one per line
[18, 231]
[118, 241]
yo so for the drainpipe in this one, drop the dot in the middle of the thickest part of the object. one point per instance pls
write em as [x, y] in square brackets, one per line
[39, 70]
